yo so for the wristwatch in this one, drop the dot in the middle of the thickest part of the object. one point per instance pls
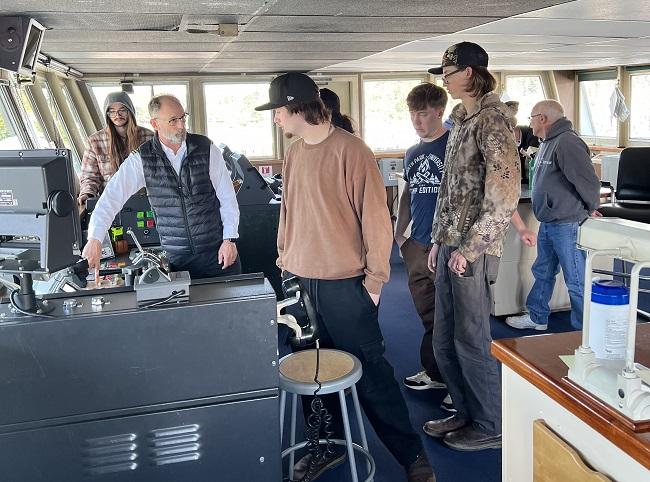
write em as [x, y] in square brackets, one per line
[232, 240]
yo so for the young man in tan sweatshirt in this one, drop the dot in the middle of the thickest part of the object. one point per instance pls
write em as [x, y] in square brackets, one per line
[335, 236]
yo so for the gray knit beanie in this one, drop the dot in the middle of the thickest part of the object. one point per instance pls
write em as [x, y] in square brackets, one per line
[121, 97]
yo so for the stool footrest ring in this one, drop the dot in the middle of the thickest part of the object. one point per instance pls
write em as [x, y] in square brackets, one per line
[336, 441]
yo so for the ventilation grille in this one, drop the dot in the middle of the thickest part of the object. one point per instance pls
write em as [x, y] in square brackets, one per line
[114, 453]
[175, 444]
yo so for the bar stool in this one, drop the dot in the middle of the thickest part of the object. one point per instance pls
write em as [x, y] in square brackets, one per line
[338, 371]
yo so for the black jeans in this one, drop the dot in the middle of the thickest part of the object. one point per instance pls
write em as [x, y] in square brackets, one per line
[347, 320]
[203, 265]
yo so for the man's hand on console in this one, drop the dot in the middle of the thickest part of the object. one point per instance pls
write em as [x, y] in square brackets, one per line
[93, 252]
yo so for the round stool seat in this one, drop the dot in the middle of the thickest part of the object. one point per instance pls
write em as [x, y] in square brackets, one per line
[337, 371]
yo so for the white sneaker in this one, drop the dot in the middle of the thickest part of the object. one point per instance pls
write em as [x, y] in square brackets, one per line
[422, 381]
[524, 322]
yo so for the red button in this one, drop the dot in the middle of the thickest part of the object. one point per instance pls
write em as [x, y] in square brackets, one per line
[150, 223]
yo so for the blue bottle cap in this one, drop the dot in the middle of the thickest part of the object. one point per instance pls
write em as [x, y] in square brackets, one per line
[609, 292]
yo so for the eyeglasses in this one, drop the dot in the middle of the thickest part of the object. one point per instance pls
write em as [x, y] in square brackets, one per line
[174, 120]
[530, 118]
[120, 112]
[449, 74]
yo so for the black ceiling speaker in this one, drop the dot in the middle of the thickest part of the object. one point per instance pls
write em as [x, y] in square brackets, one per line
[20, 44]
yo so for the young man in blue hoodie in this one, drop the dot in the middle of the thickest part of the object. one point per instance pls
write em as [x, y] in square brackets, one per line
[565, 191]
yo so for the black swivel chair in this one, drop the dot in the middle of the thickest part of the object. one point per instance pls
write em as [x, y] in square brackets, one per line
[632, 198]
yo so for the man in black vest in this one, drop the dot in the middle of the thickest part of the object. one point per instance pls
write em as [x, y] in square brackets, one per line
[190, 192]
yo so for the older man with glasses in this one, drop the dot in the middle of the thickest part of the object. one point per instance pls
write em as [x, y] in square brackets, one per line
[190, 191]
[565, 191]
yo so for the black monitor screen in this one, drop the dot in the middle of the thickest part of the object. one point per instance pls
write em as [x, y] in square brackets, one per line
[38, 210]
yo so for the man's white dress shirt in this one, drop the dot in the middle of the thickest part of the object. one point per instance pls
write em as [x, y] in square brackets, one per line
[129, 179]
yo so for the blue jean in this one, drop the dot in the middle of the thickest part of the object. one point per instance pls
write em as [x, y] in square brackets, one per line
[556, 246]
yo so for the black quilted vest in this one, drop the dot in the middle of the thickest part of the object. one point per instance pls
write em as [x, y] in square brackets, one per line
[185, 205]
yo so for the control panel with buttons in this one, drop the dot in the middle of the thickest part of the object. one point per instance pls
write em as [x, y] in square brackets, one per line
[137, 215]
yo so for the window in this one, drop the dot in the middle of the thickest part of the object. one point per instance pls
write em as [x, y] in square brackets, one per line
[451, 103]
[231, 117]
[61, 128]
[639, 113]
[386, 121]
[596, 123]
[35, 124]
[75, 115]
[8, 136]
[141, 96]
[528, 90]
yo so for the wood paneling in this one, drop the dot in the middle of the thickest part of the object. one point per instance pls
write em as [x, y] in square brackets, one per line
[554, 460]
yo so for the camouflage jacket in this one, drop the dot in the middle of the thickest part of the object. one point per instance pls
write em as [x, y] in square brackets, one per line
[481, 182]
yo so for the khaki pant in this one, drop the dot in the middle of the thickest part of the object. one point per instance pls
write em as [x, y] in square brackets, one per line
[422, 288]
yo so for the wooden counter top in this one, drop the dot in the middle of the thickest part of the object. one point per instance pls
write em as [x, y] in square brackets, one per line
[536, 359]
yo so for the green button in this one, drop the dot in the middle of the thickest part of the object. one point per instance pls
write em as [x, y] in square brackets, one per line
[150, 214]
[140, 214]
[141, 224]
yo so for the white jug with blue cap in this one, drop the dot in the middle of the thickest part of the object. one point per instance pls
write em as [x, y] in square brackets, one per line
[610, 305]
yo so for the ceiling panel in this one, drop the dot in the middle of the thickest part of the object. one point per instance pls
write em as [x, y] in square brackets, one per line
[337, 35]
[579, 40]
[54, 48]
[581, 27]
[82, 37]
[412, 8]
[212, 7]
[298, 47]
[342, 24]
[330, 56]
[609, 10]
[108, 21]
[127, 56]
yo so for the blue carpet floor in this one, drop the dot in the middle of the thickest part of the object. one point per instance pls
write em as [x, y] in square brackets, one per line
[402, 331]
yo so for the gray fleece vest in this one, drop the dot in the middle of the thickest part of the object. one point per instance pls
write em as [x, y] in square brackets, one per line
[185, 205]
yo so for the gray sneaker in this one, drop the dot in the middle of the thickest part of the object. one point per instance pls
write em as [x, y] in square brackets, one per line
[422, 381]
[524, 322]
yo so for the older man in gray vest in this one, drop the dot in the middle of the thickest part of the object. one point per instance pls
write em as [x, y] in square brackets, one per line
[190, 192]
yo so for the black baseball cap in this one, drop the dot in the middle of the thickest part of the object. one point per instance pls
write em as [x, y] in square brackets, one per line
[464, 53]
[291, 88]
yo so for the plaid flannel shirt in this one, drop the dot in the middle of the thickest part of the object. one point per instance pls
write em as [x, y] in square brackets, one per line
[97, 165]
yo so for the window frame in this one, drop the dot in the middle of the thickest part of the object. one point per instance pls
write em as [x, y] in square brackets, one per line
[630, 73]
[58, 114]
[424, 77]
[147, 82]
[230, 81]
[503, 81]
[26, 90]
[590, 76]
[14, 118]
